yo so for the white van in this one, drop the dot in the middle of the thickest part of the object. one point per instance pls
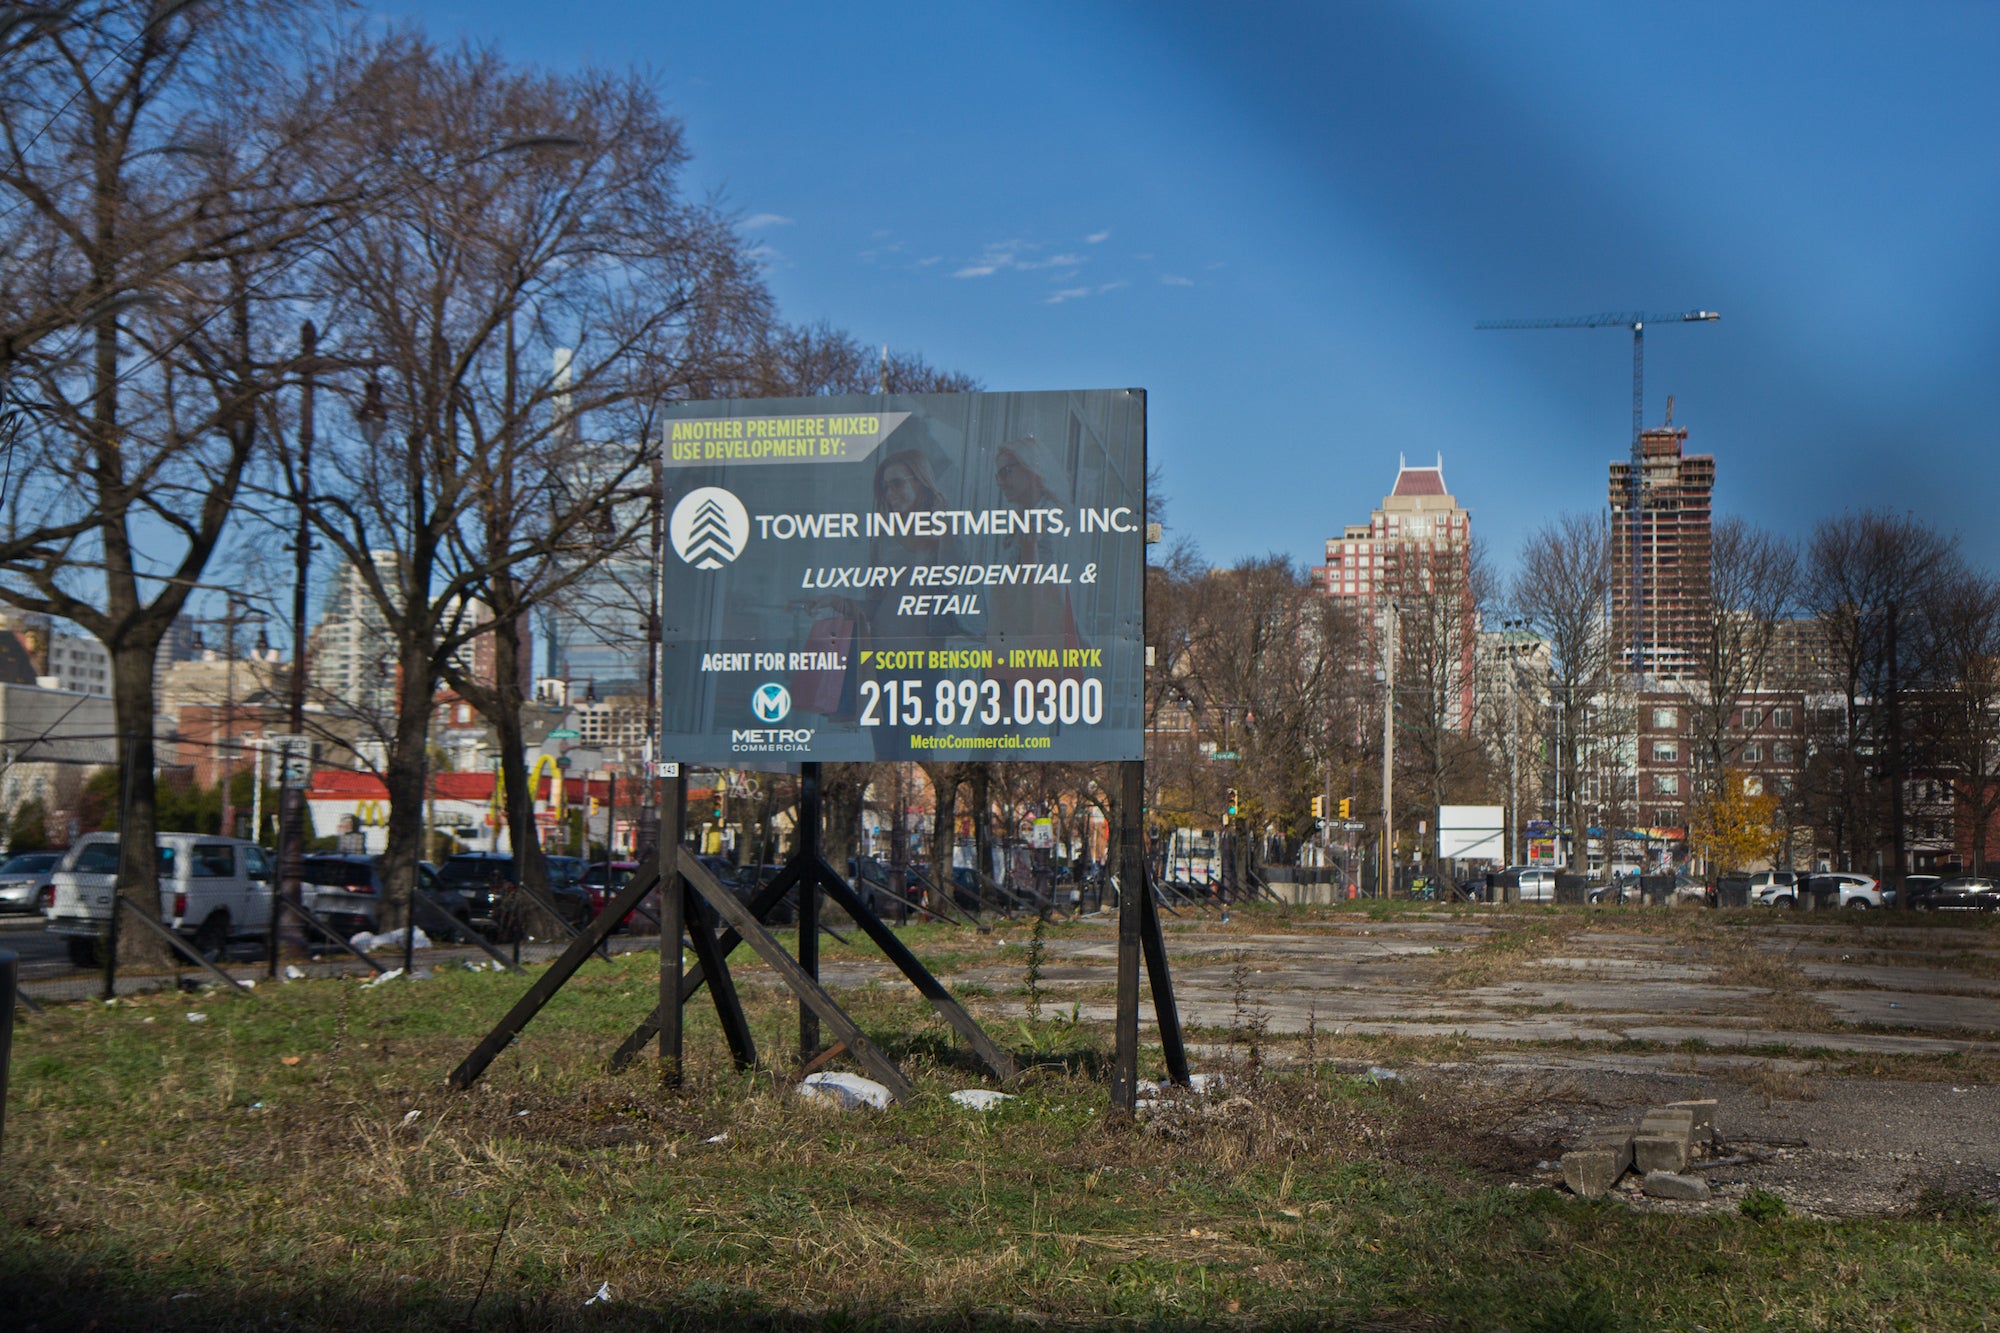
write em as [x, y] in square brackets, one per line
[212, 890]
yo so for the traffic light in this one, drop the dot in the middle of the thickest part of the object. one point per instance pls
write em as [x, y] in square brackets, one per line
[1346, 807]
[1319, 807]
[1232, 800]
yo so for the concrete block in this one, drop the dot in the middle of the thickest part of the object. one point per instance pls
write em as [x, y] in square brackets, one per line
[1704, 1117]
[1658, 1122]
[1612, 1138]
[1590, 1172]
[1668, 1185]
[1659, 1152]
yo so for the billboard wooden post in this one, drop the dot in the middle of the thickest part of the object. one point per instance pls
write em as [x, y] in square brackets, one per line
[672, 794]
[1131, 890]
[1139, 933]
[811, 822]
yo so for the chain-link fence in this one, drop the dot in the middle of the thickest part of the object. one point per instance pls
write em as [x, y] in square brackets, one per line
[61, 968]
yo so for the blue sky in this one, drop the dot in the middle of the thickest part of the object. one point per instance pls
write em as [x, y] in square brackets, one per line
[1283, 220]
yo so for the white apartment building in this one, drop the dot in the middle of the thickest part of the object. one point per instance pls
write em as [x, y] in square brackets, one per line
[353, 667]
[79, 664]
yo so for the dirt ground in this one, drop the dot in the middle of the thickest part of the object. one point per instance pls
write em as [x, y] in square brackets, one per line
[1852, 1057]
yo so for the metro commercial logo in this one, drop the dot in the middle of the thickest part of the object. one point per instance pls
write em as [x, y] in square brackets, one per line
[771, 702]
[709, 527]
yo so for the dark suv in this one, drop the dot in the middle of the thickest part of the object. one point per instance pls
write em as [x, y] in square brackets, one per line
[493, 901]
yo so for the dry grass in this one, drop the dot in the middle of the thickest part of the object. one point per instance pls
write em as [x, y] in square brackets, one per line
[350, 1189]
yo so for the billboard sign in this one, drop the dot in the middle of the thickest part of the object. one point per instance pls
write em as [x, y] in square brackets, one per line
[931, 576]
[1471, 832]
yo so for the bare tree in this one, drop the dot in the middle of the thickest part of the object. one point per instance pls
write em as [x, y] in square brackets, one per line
[152, 209]
[1960, 711]
[1440, 593]
[1752, 579]
[1560, 591]
[530, 294]
[1867, 579]
[1253, 665]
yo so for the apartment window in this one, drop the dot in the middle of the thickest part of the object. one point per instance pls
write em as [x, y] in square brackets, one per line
[1781, 752]
[1785, 786]
[1752, 718]
[1666, 752]
[1781, 718]
[1666, 784]
[1753, 754]
[1666, 719]
[1753, 785]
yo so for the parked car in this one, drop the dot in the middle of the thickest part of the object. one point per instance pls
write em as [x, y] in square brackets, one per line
[345, 892]
[603, 881]
[1531, 884]
[492, 896]
[719, 866]
[1918, 888]
[23, 876]
[1849, 889]
[212, 891]
[1964, 893]
[1841, 888]
[1774, 888]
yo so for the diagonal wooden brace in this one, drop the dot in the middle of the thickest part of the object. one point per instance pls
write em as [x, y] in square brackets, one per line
[737, 915]
[558, 972]
[1164, 1008]
[695, 977]
[942, 1000]
[721, 986]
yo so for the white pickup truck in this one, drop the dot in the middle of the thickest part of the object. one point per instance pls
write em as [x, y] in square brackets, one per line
[212, 890]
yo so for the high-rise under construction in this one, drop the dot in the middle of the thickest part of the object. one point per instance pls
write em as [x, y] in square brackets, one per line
[1676, 499]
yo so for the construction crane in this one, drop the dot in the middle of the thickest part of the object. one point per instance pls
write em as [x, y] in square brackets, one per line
[1635, 499]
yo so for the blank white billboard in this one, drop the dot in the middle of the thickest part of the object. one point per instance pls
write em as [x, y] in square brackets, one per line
[1472, 832]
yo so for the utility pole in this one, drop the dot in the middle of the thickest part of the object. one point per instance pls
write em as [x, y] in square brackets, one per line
[1387, 869]
[1514, 758]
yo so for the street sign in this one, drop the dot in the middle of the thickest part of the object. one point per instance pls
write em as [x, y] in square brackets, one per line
[1227, 755]
[1349, 825]
[666, 768]
[294, 755]
[565, 734]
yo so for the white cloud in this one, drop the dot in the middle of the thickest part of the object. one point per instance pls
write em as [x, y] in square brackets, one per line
[759, 221]
[1175, 280]
[1078, 293]
[977, 271]
[1053, 261]
[1099, 237]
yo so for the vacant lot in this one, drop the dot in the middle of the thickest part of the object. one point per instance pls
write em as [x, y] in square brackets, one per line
[293, 1158]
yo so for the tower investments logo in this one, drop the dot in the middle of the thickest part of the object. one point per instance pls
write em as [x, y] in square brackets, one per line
[771, 702]
[709, 527]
